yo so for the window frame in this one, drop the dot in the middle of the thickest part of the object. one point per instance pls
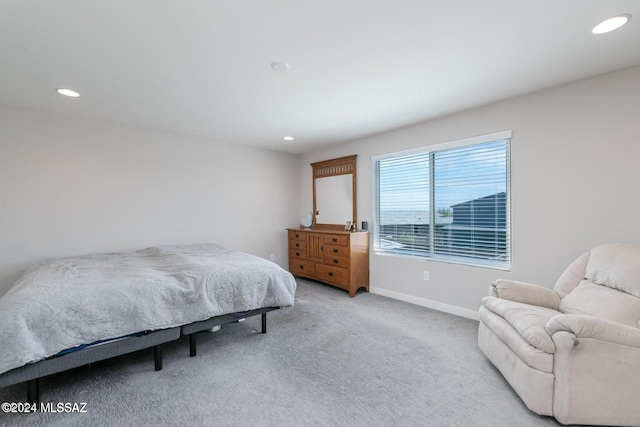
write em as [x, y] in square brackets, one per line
[431, 254]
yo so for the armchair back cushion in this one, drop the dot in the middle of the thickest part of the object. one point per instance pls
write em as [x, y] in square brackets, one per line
[615, 266]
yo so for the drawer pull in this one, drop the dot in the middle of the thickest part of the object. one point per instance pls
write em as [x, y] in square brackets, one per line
[297, 245]
[335, 251]
[331, 273]
[297, 253]
[335, 239]
[335, 261]
[302, 267]
[297, 235]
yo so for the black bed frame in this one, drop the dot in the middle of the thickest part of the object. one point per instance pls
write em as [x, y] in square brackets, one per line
[32, 372]
[192, 328]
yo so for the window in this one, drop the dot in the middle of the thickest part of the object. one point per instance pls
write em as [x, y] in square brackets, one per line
[448, 202]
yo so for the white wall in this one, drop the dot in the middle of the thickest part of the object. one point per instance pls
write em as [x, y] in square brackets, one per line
[575, 179]
[70, 187]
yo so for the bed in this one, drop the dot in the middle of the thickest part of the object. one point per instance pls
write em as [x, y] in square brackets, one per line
[73, 311]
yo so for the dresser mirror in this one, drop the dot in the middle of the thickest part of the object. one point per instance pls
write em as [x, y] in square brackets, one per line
[334, 193]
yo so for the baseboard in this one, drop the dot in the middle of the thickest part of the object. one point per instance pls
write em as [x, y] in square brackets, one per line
[452, 309]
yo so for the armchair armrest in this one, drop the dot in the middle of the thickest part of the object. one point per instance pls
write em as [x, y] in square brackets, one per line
[585, 326]
[526, 293]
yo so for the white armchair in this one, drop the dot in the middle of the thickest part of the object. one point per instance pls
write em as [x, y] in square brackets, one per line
[572, 352]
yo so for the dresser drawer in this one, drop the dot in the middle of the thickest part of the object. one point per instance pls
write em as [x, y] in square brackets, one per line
[336, 261]
[334, 275]
[336, 239]
[297, 254]
[297, 235]
[299, 267]
[335, 251]
[300, 245]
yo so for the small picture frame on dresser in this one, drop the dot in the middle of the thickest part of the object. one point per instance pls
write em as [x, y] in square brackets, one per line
[347, 226]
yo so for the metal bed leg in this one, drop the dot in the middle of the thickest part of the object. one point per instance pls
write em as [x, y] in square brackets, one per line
[264, 323]
[157, 355]
[33, 391]
[192, 344]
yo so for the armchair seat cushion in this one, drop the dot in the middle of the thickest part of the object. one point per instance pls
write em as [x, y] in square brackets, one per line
[603, 302]
[528, 320]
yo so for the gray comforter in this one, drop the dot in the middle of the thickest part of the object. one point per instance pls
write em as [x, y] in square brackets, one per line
[68, 302]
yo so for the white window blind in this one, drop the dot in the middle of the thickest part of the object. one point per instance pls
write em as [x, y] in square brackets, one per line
[449, 202]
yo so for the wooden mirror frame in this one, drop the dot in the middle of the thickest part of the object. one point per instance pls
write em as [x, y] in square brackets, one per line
[339, 166]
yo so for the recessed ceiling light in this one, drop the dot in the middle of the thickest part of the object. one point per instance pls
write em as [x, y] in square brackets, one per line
[288, 138]
[279, 66]
[611, 24]
[68, 92]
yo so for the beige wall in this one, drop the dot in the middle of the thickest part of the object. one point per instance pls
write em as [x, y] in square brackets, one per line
[72, 186]
[575, 177]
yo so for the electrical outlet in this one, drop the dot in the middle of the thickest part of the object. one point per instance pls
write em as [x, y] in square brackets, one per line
[425, 276]
[272, 257]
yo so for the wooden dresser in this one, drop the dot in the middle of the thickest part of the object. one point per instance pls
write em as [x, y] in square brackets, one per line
[339, 258]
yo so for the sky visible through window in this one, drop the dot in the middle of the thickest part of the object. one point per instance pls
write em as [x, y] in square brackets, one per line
[460, 174]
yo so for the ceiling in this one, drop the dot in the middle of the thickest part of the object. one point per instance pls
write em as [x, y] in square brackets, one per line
[357, 67]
